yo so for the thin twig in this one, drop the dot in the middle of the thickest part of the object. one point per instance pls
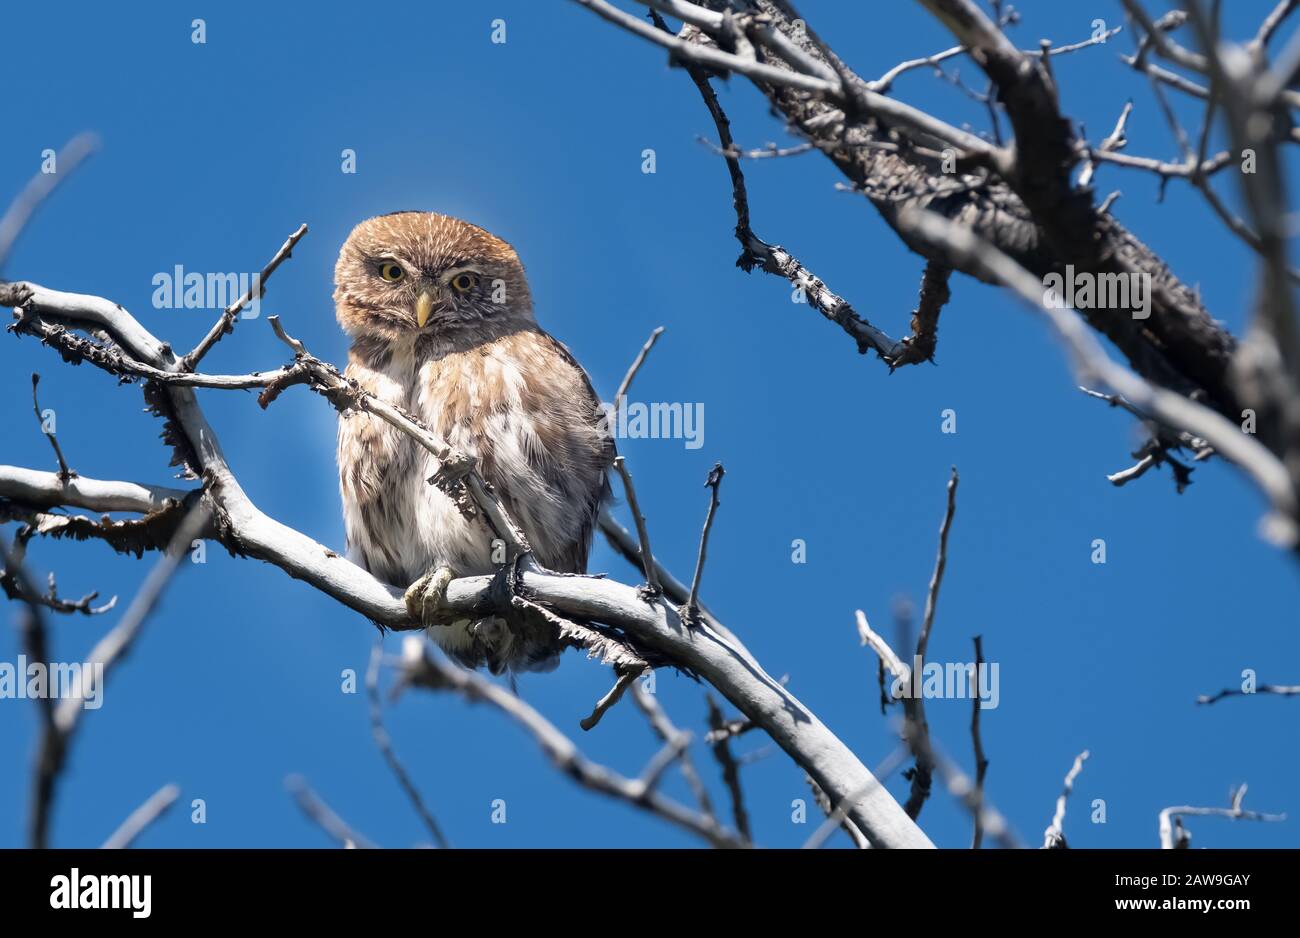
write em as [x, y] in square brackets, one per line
[940, 564]
[64, 472]
[14, 586]
[730, 771]
[920, 745]
[653, 588]
[34, 640]
[690, 612]
[886, 81]
[1054, 836]
[1271, 24]
[961, 787]
[226, 322]
[922, 772]
[1280, 690]
[1181, 838]
[323, 816]
[385, 744]
[626, 384]
[621, 683]
[667, 732]
[38, 189]
[981, 761]
[154, 808]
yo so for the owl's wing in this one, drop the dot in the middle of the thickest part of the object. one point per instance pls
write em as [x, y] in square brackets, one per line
[574, 449]
[604, 455]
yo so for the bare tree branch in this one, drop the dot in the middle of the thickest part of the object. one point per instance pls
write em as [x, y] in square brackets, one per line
[667, 733]
[915, 725]
[1173, 835]
[38, 189]
[811, 79]
[13, 583]
[421, 669]
[621, 684]
[64, 472]
[940, 564]
[1280, 690]
[730, 771]
[652, 580]
[226, 323]
[62, 719]
[981, 761]
[1091, 363]
[921, 746]
[385, 744]
[1054, 836]
[690, 611]
[1022, 203]
[626, 384]
[1271, 23]
[323, 816]
[713, 653]
[774, 259]
[155, 807]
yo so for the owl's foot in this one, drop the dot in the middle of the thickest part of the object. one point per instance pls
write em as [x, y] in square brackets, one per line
[426, 596]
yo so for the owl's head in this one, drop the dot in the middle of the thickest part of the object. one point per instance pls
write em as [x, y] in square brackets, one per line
[411, 273]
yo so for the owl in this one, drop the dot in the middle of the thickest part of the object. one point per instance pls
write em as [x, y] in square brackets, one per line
[441, 323]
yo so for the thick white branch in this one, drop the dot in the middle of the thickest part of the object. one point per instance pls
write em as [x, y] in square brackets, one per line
[46, 490]
[714, 654]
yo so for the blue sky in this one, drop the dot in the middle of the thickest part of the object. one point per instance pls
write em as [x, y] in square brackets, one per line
[213, 153]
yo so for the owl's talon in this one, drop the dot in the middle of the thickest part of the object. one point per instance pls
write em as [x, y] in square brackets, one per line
[426, 596]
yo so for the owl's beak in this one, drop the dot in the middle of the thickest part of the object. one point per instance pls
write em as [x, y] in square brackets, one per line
[423, 307]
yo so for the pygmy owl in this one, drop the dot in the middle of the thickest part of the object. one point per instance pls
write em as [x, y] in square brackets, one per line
[442, 325]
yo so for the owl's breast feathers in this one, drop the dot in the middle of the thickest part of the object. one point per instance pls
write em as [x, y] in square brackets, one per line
[519, 403]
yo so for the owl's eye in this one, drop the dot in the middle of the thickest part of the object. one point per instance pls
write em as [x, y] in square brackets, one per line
[390, 272]
[463, 283]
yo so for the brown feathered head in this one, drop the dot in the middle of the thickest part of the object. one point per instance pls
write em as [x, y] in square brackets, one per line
[411, 273]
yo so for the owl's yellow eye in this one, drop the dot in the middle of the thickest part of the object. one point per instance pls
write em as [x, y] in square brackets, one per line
[462, 283]
[390, 272]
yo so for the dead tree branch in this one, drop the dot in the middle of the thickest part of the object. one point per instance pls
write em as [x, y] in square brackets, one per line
[225, 324]
[155, 807]
[730, 771]
[323, 816]
[385, 744]
[668, 733]
[1054, 836]
[981, 761]
[1280, 690]
[1020, 199]
[1174, 836]
[711, 652]
[422, 669]
[690, 611]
